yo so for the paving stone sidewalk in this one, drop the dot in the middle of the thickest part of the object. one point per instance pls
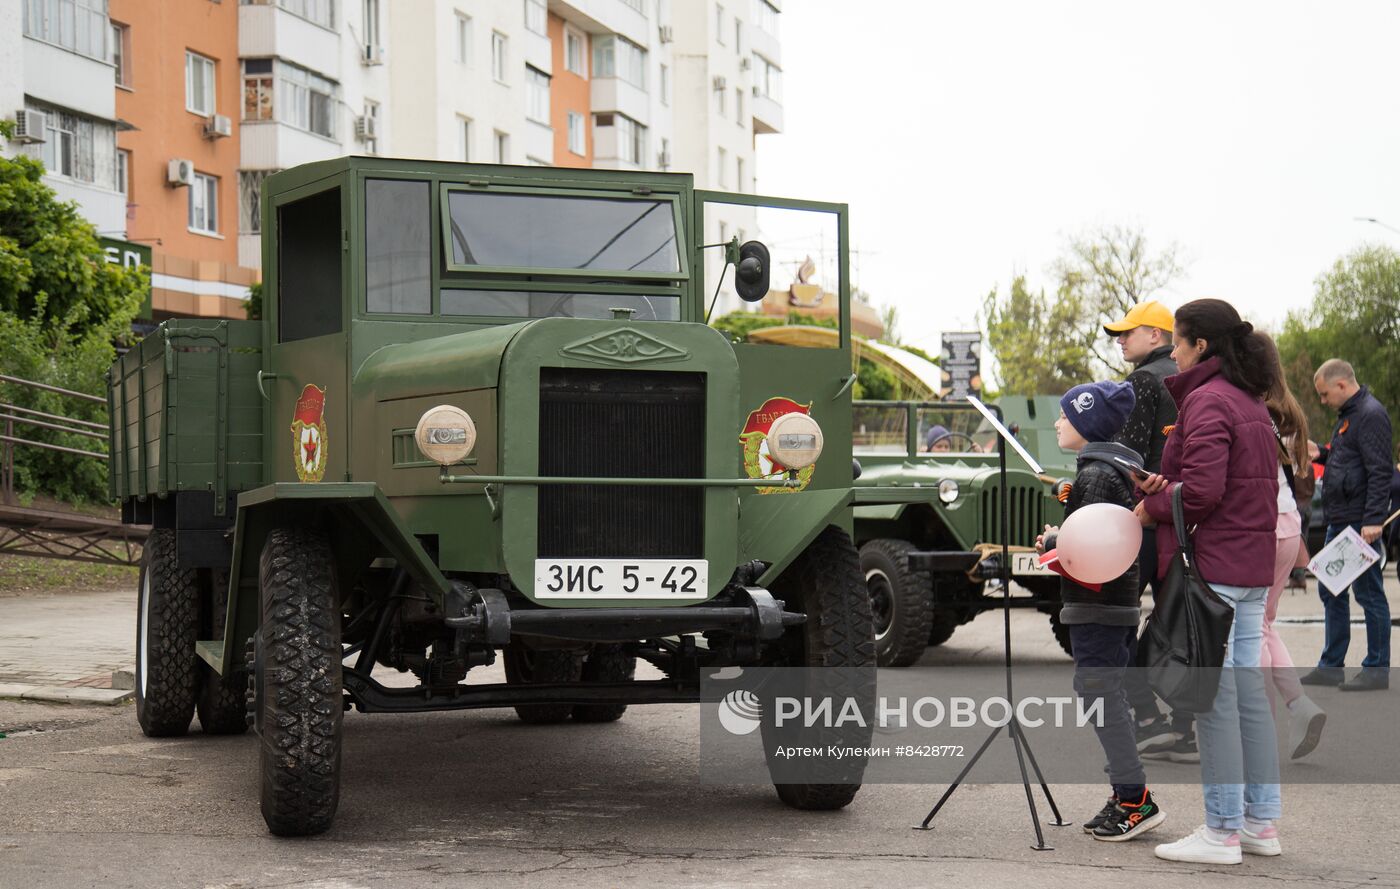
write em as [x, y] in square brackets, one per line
[65, 645]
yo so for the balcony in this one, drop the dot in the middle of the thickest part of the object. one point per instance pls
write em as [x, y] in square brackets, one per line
[767, 115]
[58, 76]
[616, 94]
[103, 208]
[272, 145]
[265, 31]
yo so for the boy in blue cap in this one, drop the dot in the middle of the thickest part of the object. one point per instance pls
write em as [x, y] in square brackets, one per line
[1103, 624]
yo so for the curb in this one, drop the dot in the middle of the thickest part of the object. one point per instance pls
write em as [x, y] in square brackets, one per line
[58, 694]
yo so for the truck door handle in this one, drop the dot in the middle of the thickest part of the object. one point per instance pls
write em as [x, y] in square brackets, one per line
[845, 384]
[264, 376]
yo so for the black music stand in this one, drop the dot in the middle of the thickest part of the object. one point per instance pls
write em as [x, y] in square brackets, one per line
[1014, 730]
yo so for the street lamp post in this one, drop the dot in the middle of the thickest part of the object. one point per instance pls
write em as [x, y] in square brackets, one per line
[1375, 221]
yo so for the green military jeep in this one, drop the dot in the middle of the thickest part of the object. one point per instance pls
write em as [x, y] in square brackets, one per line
[928, 523]
[483, 414]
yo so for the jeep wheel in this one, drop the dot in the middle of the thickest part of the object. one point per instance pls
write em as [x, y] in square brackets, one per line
[525, 666]
[1061, 633]
[606, 663]
[941, 628]
[221, 706]
[300, 681]
[826, 583]
[167, 626]
[900, 602]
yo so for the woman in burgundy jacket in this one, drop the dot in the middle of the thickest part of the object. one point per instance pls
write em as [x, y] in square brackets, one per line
[1223, 455]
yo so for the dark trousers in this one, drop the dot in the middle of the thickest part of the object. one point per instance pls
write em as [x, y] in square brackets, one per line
[1100, 662]
[1369, 590]
[1140, 696]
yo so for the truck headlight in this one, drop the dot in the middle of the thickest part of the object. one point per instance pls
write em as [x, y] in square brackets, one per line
[445, 434]
[947, 490]
[795, 440]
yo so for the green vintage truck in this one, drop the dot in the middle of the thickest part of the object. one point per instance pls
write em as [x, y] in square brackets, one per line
[928, 523]
[483, 416]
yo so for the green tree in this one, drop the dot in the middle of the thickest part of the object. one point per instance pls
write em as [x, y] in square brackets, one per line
[1355, 315]
[1041, 345]
[255, 301]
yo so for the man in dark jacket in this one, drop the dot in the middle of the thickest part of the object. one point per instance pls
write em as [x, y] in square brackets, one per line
[1145, 338]
[1103, 624]
[1355, 493]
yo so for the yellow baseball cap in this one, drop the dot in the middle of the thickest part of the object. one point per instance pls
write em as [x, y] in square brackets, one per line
[1148, 314]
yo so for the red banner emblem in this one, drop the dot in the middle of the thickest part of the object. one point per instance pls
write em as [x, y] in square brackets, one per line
[309, 434]
[754, 439]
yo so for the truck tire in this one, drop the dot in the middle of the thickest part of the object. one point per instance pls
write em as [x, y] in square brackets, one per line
[167, 627]
[942, 625]
[1061, 633]
[900, 602]
[606, 663]
[300, 684]
[525, 666]
[826, 583]
[221, 705]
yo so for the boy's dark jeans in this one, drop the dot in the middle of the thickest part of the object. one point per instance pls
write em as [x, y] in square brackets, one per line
[1100, 664]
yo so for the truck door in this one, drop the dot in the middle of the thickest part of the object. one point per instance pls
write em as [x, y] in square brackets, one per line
[305, 305]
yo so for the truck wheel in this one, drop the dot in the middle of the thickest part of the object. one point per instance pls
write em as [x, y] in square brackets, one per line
[221, 706]
[826, 583]
[167, 626]
[900, 602]
[299, 679]
[606, 663]
[525, 666]
[942, 626]
[1061, 633]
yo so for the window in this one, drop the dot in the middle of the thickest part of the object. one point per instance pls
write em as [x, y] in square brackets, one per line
[664, 161]
[574, 52]
[723, 232]
[723, 157]
[370, 26]
[372, 120]
[719, 24]
[738, 173]
[665, 85]
[536, 16]
[738, 37]
[204, 204]
[615, 56]
[250, 183]
[631, 140]
[398, 267]
[257, 89]
[536, 95]
[79, 25]
[121, 53]
[59, 145]
[464, 39]
[466, 130]
[79, 148]
[308, 101]
[719, 101]
[498, 56]
[767, 17]
[199, 84]
[502, 147]
[739, 105]
[576, 134]
[308, 267]
[637, 5]
[124, 173]
[322, 12]
[768, 78]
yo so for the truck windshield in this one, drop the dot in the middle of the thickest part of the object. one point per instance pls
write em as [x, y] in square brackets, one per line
[513, 230]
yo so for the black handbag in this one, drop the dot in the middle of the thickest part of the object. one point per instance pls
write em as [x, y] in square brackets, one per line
[1183, 646]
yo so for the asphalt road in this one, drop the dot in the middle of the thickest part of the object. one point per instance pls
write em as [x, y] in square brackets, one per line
[480, 799]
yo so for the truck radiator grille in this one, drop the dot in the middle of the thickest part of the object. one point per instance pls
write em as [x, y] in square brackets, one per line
[616, 423]
[1027, 515]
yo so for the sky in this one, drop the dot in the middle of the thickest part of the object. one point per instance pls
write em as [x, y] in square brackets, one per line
[971, 139]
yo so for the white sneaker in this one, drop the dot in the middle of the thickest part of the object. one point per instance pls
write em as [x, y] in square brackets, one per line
[1201, 849]
[1306, 720]
[1265, 842]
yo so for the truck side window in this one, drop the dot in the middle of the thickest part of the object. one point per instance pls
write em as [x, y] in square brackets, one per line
[308, 267]
[398, 247]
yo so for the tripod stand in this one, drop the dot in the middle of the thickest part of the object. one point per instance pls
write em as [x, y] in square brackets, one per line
[1013, 727]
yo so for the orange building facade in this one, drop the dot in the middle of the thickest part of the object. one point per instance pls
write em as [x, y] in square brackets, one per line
[178, 89]
[571, 61]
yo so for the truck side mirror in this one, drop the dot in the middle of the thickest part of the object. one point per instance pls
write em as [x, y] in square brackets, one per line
[751, 272]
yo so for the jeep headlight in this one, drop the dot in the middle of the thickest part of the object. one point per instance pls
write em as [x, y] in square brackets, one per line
[947, 490]
[795, 440]
[445, 434]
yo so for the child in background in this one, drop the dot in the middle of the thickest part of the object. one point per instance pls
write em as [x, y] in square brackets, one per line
[1103, 624]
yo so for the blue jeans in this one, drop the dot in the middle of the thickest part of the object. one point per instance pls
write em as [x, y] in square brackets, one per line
[1369, 589]
[1239, 752]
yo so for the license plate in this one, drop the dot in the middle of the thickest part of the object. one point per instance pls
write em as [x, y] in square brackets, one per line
[1028, 563]
[621, 578]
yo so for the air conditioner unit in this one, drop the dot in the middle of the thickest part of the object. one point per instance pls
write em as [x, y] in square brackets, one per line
[719, 82]
[218, 126]
[745, 63]
[29, 126]
[373, 55]
[364, 128]
[667, 34]
[180, 171]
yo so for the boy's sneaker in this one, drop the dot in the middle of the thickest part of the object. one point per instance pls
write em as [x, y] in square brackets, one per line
[1265, 842]
[1201, 849]
[1156, 734]
[1103, 815]
[1129, 820]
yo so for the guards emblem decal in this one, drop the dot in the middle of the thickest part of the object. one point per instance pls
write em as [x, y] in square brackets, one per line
[309, 434]
[757, 462]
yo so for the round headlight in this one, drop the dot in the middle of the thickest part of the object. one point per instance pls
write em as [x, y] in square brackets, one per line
[795, 440]
[445, 434]
[947, 490]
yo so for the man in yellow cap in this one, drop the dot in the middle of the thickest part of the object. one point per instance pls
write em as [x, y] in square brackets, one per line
[1145, 338]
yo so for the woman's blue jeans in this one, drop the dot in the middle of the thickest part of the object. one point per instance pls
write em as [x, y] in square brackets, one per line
[1239, 749]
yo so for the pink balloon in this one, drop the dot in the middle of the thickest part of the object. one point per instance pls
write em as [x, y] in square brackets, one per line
[1098, 542]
